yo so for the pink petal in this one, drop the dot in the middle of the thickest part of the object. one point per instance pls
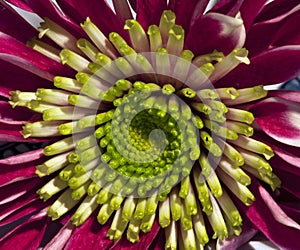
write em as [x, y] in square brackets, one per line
[61, 238]
[27, 235]
[269, 218]
[234, 242]
[18, 54]
[27, 157]
[149, 12]
[225, 33]
[13, 24]
[265, 68]
[90, 235]
[144, 243]
[279, 120]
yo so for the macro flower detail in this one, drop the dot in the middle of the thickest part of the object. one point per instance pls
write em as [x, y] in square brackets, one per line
[151, 133]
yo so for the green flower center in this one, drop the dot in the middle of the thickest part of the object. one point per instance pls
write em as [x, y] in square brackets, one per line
[146, 135]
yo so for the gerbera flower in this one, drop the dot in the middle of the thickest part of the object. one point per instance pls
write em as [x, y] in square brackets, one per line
[161, 133]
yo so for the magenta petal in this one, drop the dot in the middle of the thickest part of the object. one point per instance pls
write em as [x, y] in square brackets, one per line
[279, 120]
[265, 68]
[20, 171]
[47, 8]
[13, 77]
[290, 182]
[19, 54]
[249, 10]
[13, 24]
[184, 11]
[90, 235]
[234, 242]
[225, 33]
[16, 136]
[288, 95]
[20, 4]
[228, 7]
[269, 218]
[275, 9]
[149, 12]
[27, 235]
[61, 238]
[101, 14]
[8, 211]
[288, 34]
[15, 190]
[292, 209]
[143, 244]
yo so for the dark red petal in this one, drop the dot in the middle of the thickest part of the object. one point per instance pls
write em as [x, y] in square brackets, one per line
[275, 9]
[143, 244]
[20, 4]
[17, 53]
[279, 120]
[292, 209]
[47, 8]
[149, 12]
[269, 218]
[27, 157]
[289, 33]
[133, 4]
[11, 173]
[101, 14]
[9, 209]
[228, 7]
[215, 31]
[249, 10]
[289, 182]
[270, 67]
[61, 238]
[15, 136]
[27, 235]
[17, 115]
[288, 95]
[15, 190]
[90, 235]
[184, 11]
[234, 242]
[13, 24]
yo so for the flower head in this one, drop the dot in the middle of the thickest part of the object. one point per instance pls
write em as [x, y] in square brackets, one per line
[158, 126]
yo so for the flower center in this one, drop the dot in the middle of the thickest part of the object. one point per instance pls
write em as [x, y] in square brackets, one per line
[146, 134]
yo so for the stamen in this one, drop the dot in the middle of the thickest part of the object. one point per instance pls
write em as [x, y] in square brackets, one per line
[240, 115]
[80, 192]
[182, 67]
[248, 95]
[171, 236]
[52, 165]
[87, 48]
[215, 56]
[227, 93]
[99, 38]
[57, 34]
[133, 230]
[128, 208]
[44, 49]
[59, 147]
[104, 214]
[240, 128]
[185, 220]
[199, 227]
[155, 38]
[67, 84]
[52, 96]
[230, 62]
[147, 223]
[18, 98]
[189, 240]
[64, 113]
[40, 129]
[62, 205]
[86, 208]
[176, 40]
[167, 21]
[254, 146]
[78, 180]
[67, 172]
[137, 35]
[190, 202]
[164, 213]
[53, 187]
[74, 60]
[83, 101]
